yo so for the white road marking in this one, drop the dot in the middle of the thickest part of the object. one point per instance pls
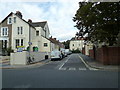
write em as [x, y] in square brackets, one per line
[72, 68]
[62, 69]
[93, 69]
[64, 63]
[90, 68]
[82, 69]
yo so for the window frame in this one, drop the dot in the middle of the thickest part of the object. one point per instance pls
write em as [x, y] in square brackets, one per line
[37, 33]
[4, 31]
[45, 44]
[14, 19]
[17, 42]
[9, 20]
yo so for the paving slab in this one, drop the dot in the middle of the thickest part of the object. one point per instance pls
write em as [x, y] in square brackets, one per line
[95, 64]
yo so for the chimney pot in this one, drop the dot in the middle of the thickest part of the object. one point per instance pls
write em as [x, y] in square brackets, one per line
[19, 14]
[55, 38]
[29, 20]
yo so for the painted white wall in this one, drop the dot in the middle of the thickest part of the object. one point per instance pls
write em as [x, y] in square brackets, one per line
[20, 58]
[78, 44]
[45, 49]
[88, 46]
[24, 36]
[54, 47]
[47, 30]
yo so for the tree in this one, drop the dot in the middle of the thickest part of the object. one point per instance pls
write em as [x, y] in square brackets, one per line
[99, 20]
[66, 43]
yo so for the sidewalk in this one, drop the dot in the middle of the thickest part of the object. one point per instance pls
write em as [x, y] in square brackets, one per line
[97, 65]
[5, 65]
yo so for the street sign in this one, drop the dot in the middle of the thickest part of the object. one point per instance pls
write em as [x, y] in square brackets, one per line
[30, 43]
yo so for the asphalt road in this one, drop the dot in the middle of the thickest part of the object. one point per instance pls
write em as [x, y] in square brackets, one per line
[70, 72]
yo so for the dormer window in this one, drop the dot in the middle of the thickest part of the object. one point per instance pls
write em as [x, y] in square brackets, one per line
[9, 20]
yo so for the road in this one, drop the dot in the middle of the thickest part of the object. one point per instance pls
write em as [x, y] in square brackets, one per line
[70, 72]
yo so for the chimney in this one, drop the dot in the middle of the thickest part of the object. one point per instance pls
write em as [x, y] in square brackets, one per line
[29, 20]
[55, 38]
[19, 14]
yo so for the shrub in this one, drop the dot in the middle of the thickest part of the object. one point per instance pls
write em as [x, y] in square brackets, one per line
[76, 51]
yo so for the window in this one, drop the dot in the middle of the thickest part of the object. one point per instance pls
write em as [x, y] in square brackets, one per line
[37, 33]
[73, 44]
[45, 45]
[17, 41]
[4, 44]
[9, 20]
[20, 30]
[21, 42]
[4, 31]
[14, 19]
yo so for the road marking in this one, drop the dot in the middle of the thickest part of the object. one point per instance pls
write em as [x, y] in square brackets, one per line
[62, 69]
[84, 62]
[64, 63]
[72, 68]
[82, 69]
[93, 69]
[90, 68]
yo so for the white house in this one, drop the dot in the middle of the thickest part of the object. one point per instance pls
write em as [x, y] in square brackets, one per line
[76, 43]
[16, 32]
[42, 34]
[55, 44]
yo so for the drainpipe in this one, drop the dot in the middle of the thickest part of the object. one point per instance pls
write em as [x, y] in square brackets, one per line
[29, 41]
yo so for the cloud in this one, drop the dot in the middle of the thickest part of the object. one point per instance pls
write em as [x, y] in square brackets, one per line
[58, 15]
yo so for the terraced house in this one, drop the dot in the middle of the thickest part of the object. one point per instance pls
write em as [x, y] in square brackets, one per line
[16, 32]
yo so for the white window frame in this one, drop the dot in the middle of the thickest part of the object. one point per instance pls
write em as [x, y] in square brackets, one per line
[3, 32]
[38, 33]
[14, 19]
[11, 20]
[20, 30]
[19, 44]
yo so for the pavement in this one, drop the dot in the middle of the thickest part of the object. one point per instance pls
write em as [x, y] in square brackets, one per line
[88, 61]
[5, 64]
[98, 65]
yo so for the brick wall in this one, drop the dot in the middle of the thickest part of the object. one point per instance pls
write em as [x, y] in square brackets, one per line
[91, 53]
[83, 51]
[107, 55]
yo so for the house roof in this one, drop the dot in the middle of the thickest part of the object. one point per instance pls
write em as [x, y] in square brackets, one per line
[39, 24]
[53, 40]
[18, 17]
[6, 17]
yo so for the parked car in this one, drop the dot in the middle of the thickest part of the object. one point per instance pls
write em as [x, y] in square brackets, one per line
[56, 55]
[64, 54]
[68, 52]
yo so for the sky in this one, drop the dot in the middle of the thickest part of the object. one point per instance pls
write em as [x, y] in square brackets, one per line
[58, 14]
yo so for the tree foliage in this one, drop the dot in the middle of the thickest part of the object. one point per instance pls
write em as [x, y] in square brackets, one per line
[99, 20]
[66, 43]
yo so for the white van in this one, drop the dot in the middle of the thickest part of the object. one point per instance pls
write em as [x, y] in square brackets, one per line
[56, 55]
